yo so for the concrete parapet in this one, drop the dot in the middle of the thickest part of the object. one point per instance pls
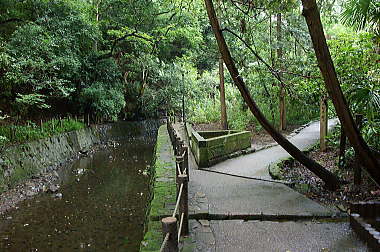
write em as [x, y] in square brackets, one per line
[210, 146]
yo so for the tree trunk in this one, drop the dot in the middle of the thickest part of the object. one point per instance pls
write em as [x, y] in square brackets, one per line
[223, 109]
[97, 17]
[223, 114]
[326, 66]
[272, 107]
[270, 41]
[280, 67]
[357, 165]
[330, 179]
[282, 96]
[323, 124]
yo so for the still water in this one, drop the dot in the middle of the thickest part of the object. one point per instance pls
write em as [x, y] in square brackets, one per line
[103, 204]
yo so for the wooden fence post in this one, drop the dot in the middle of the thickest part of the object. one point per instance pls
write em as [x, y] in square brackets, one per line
[184, 204]
[357, 166]
[175, 143]
[169, 225]
[179, 161]
[171, 133]
[181, 147]
[323, 123]
[177, 146]
[186, 160]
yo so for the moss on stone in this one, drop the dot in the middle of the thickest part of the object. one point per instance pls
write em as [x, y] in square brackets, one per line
[208, 151]
[164, 191]
[275, 168]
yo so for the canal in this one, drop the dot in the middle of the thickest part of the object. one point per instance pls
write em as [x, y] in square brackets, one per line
[100, 205]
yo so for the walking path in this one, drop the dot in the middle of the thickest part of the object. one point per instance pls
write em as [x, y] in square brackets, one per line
[262, 216]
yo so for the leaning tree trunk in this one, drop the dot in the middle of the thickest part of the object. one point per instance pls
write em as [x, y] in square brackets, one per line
[326, 66]
[330, 179]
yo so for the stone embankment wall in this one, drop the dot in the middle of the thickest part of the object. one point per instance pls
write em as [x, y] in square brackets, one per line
[23, 161]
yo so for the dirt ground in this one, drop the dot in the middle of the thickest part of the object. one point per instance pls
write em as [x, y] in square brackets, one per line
[313, 188]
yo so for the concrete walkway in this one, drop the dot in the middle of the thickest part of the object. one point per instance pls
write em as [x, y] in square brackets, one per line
[217, 196]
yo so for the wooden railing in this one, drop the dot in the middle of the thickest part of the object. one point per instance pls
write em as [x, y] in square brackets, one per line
[172, 229]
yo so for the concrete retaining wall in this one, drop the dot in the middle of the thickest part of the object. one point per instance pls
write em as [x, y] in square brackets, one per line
[210, 146]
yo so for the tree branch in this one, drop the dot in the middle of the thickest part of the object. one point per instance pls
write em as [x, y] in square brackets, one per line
[133, 34]
[273, 71]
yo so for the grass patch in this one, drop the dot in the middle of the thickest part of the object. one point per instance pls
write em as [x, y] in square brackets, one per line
[10, 134]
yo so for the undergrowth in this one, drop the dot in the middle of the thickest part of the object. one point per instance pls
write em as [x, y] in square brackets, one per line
[10, 134]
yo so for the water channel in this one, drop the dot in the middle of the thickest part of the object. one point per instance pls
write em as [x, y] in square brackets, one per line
[103, 204]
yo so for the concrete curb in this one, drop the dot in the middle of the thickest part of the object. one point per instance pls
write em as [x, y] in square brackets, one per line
[275, 168]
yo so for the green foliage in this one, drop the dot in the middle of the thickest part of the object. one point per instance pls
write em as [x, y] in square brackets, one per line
[354, 55]
[166, 93]
[103, 102]
[102, 94]
[358, 69]
[205, 112]
[202, 99]
[361, 14]
[240, 119]
[37, 100]
[42, 60]
[3, 141]
[96, 59]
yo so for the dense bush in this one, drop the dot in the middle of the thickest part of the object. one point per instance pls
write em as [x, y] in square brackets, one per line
[358, 68]
[84, 57]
